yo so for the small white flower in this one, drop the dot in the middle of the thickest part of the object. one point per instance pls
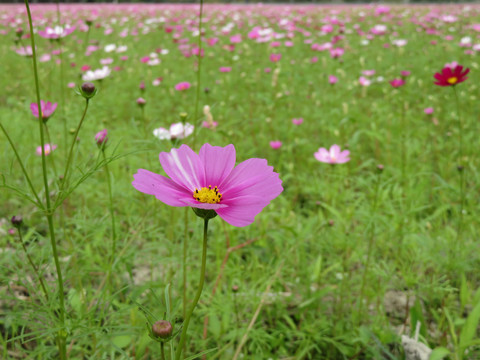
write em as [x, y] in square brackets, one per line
[176, 131]
[98, 74]
[110, 47]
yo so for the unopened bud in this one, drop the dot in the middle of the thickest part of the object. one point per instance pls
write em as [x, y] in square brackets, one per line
[162, 329]
[88, 90]
[19, 32]
[206, 90]
[235, 288]
[183, 117]
[460, 168]
[380, 167]
[331, 222]
[142, 86]
[101, 138]
[141, 102]
[17, 221]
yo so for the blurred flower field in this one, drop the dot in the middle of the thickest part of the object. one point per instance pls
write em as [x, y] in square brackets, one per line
[331, 152]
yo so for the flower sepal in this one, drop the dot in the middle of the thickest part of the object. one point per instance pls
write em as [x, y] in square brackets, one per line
[204, 213]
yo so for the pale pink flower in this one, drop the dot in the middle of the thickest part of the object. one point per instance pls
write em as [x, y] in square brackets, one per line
[332, 79]
[56, 32]
[49, 148]
[332, 156]
[364, 81]
[176, 131]
[297, 121]
[47, 108]
[428, 110]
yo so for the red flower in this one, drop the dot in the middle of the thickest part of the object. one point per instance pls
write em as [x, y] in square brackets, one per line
[451, 77]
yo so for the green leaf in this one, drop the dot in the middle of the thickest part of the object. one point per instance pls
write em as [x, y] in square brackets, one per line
[470, 328]
[416, 315]
[439, 353]
[122, 341]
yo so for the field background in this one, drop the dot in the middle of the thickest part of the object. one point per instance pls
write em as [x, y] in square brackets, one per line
[304, 264]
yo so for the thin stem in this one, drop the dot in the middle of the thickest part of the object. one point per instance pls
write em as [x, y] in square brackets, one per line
[185, 240]
[186, 322]
[162, 350]
[461, 169]
[74, 140]
[39, 202]
[112, 212]
[371, 237]
[35, 269]
[61, 335]
[197, 95]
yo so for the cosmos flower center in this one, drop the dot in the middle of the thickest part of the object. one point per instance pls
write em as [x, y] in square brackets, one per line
[452, 80]
[207, 195]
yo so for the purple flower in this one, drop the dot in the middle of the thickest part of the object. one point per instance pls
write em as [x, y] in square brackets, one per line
[48, 109]
[332, 156]
[209, 180]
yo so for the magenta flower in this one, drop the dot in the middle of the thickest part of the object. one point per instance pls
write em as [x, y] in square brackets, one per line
[225, 69]
[275, 57]
[332, 156]
[297, 121]
[48, 149]
[101, 138]
[47, 108]
[209, 180]
[332, 79]
[405, 73]
[182, 86]
[275, 144]
[396, 83]
[428, 110]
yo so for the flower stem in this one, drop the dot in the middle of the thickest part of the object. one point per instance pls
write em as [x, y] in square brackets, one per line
[371, 237]
[162, 350]
[197, 95]
[74, 140]
[185, 240]
[186, 322]
[112, 213]
[61, 335]
[461, 169]
[35, 269]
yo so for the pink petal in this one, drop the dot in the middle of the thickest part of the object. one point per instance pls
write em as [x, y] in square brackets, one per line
[334, 151]
[253, 177]
[184, 167]
[244, 211]
[218, 163]
[163, 188]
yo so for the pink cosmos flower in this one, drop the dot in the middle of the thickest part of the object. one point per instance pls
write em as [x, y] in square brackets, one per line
[209, 180]
[275, 144]
[332, 156]
[182, 86]
[396, 83]
[48, 109]
[275, 57]
[209, 125]
[176, 131]
[332, 79]
[336, 52]
[225, 69]
[297, 121]
[405, 73]
[48, 149]
[364, 81]
[368, 72]
[428, 110]
[101, 138]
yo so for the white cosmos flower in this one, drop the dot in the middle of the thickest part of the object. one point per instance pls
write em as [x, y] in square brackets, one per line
[176, 131]
[97, 74]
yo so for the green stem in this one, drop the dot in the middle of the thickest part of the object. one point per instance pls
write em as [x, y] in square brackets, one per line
[461, 169]
[39, 202]
[35, 269]
[61, 336]
[186, 322]
[112, 213]
[197, 95]
[185, 247]
[74, 140]
[371, 237]
[162, 350]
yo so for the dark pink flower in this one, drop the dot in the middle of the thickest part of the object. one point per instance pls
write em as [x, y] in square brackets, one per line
[225, 69]
[451, 76]
[275, 57]
[275, 144]
[396, 83]
[47, 108]
[209, 180]
[332, 156]
[332, 79]
[428, 110]
[182, 86]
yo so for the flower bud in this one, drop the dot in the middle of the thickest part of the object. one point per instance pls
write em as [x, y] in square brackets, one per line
[206, 90]
[101, 138]
[380, 168]
[17, 221]
[235, 288]
[162, 329]
[88, 90]
[460, 168]
[141, 102]
[142, 86]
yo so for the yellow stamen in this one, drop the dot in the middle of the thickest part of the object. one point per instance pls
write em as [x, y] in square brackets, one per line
[207, 195]
[453, 80]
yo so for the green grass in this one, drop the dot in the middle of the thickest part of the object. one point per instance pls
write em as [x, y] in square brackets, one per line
[305, 267]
